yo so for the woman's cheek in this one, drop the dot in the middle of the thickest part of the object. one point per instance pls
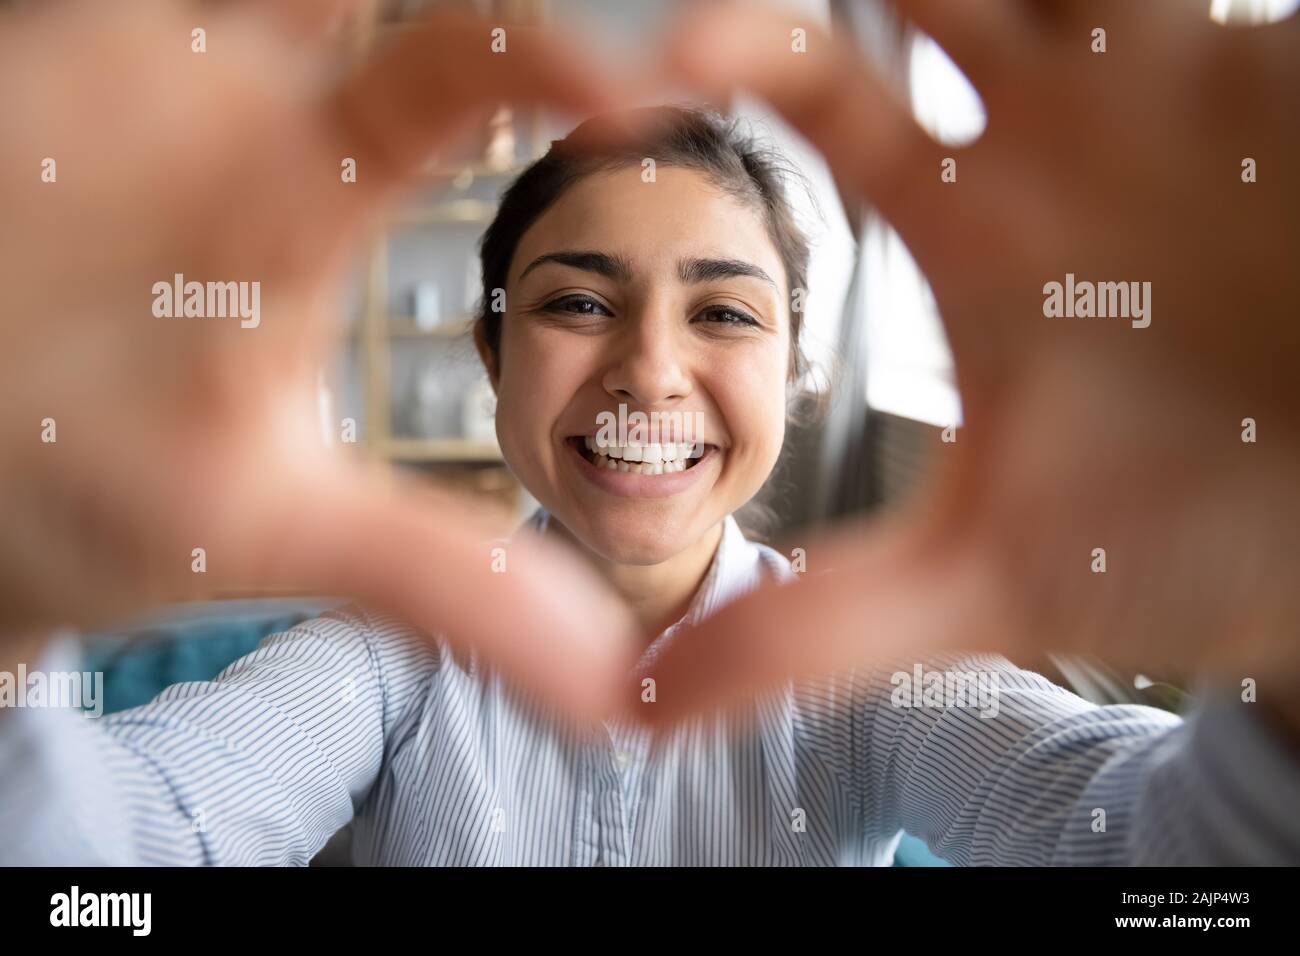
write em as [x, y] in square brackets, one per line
[538, 379]
[756, 422]
[521, 436]
[773, 439]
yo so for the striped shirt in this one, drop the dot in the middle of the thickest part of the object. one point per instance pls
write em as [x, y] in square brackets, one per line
[432, 759]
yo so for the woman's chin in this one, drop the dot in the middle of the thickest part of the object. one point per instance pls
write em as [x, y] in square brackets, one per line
[630, 547]
[633, 539]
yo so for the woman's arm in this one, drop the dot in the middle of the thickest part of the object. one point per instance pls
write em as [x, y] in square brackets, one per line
[1023, 772]
[259, 766]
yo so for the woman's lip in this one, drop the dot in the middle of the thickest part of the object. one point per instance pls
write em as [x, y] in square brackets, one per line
[627, 485]
[592, 436]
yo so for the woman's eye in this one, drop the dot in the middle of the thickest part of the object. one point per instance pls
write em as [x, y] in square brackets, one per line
[725, 315]
[577, 305]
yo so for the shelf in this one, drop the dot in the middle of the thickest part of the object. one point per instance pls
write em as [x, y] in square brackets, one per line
[454, 212]
[476, 170]
[440, 450]
[404, 327]
[447, 178]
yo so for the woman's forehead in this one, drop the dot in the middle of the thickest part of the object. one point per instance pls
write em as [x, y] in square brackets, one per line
[652, 224]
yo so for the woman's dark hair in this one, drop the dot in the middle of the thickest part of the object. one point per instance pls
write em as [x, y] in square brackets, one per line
[685, 137]
[672, 136]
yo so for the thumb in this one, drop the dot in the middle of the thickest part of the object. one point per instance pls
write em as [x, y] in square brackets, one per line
[873, 591]
[438, 561]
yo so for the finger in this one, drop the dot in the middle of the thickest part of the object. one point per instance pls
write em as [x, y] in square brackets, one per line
[827, 92]
[980, 37]
[420, 91]
[315, 20]
[311, 21]
[439, 562]
[886, 593]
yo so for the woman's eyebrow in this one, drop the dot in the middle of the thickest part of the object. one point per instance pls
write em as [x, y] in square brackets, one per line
[611, 267]
[705, 270]
[620, 270]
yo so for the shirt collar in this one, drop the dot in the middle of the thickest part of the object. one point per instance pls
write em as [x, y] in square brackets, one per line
[739, 565]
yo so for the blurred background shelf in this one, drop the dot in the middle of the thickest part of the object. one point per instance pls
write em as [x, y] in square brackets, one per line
[463, 175]
[470, 212]
[457, 450]
[409, 379]
[405, 327]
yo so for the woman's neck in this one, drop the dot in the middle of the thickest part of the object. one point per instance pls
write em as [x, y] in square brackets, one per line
[659, 595]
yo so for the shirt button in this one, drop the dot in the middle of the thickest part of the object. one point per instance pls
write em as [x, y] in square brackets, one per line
[624, 758]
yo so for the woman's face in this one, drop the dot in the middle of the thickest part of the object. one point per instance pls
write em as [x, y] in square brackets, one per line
[663, 297]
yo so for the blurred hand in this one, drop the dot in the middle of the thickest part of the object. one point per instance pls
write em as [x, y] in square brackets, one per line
[1079, 433]
[181, 433]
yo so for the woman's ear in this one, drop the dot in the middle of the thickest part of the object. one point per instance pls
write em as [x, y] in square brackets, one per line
[485, 353]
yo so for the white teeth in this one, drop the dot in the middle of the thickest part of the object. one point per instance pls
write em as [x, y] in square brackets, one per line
[659, 458]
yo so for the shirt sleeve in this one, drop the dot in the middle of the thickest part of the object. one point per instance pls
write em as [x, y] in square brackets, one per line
[259, 766]
[1031, 774]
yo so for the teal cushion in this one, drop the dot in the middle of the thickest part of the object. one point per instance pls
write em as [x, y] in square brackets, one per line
[190, 642]
[912, 851]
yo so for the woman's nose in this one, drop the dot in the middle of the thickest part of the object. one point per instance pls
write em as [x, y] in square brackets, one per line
[648, 369]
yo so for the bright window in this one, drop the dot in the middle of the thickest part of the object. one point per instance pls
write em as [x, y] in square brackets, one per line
[909, 365]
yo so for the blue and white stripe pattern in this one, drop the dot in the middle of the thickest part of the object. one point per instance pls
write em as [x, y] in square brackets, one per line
[352, 720]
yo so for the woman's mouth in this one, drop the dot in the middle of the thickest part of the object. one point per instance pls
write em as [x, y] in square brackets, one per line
[624, 471]
[652, 459]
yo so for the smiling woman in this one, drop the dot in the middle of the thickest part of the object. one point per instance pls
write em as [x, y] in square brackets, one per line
[461, 715]
[668, 295]
[652, 289]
